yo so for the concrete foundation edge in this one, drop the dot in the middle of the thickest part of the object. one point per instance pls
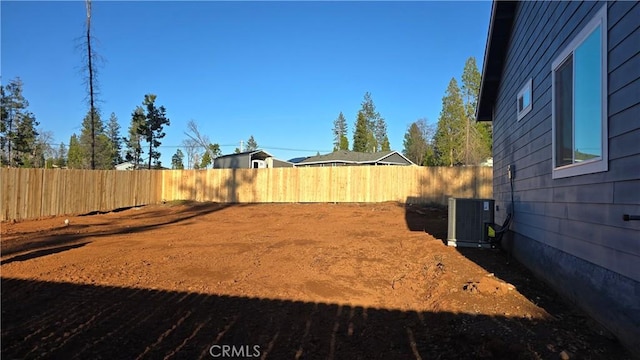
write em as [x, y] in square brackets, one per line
[608, 297]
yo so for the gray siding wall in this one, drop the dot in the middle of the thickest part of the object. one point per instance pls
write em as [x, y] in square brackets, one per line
[233, 162]
[581, 217]
[395, 158]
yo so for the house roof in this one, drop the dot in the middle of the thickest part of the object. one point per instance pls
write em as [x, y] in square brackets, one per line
[502, 15]
[297, 159]
[351, 157]
[261, 152]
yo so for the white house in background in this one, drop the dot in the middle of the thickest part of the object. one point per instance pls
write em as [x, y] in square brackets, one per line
[127, 165]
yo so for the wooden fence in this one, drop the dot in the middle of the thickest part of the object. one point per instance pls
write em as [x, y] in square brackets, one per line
[33, 193]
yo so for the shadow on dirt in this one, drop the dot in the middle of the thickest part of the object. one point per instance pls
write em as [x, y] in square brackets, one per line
[71, 235]
[43, 252]
[431, 219]
[64, 320]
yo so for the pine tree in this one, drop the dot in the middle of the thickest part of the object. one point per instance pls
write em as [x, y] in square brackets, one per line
[208, 157]
[210, 154]
[4, 135]
[252, 145]
[75, 157]
[13, 107]
[370, 133]
[415, 144]
[94, 140]
[156, 119]
[113, 133]
[25, 151]
[477, 145]
[176, 160]
[340, 140]
[134, 141]
[449, 137]
[360, 134]
[380, 131]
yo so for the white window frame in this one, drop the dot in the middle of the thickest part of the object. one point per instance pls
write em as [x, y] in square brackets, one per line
[601, 163]
[527, 88]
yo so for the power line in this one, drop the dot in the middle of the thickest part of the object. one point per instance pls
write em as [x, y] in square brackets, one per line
[221, 145]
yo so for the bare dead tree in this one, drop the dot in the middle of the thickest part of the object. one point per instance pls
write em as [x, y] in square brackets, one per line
[92, 109]
[193, 133]
[191, 148]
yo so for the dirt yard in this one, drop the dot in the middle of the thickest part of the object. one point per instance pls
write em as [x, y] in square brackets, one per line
[275, 281]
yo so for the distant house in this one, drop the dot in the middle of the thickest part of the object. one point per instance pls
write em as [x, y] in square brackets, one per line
[127, 165]
[487, 162]
[561, 83]
[353, 158]
[249, 160]
[297, 160]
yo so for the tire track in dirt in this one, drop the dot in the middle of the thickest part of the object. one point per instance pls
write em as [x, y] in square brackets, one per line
[179, 327]
[126, 321]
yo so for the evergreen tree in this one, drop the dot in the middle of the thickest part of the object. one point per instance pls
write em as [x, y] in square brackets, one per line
[177, 160]
[360, 134]
[340, 140]
[252, 145]
[415, 145]
[4, 135]
[75, 156]
[25, 146]
[93, 139]
[113, 133]
[380, 131]
[13, 107]
[151, 131]
[449, 137]
[210, 154]
[370, 133]
[134, 141]
[206, 160]
[477, 144]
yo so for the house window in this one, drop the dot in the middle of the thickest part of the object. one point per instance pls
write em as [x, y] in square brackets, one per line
[524, 100]
[579, 106]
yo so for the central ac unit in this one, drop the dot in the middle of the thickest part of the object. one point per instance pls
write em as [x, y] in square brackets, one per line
[468, 221]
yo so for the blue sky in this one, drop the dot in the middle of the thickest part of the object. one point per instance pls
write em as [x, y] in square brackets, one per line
[280, 71]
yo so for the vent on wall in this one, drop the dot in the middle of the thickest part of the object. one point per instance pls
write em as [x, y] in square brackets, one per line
[468, 220]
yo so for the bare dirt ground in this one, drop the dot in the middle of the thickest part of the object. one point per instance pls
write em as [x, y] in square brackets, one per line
[276, 281]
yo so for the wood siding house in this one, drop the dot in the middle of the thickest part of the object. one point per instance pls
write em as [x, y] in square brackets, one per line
[561, 84]
[248, 160]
